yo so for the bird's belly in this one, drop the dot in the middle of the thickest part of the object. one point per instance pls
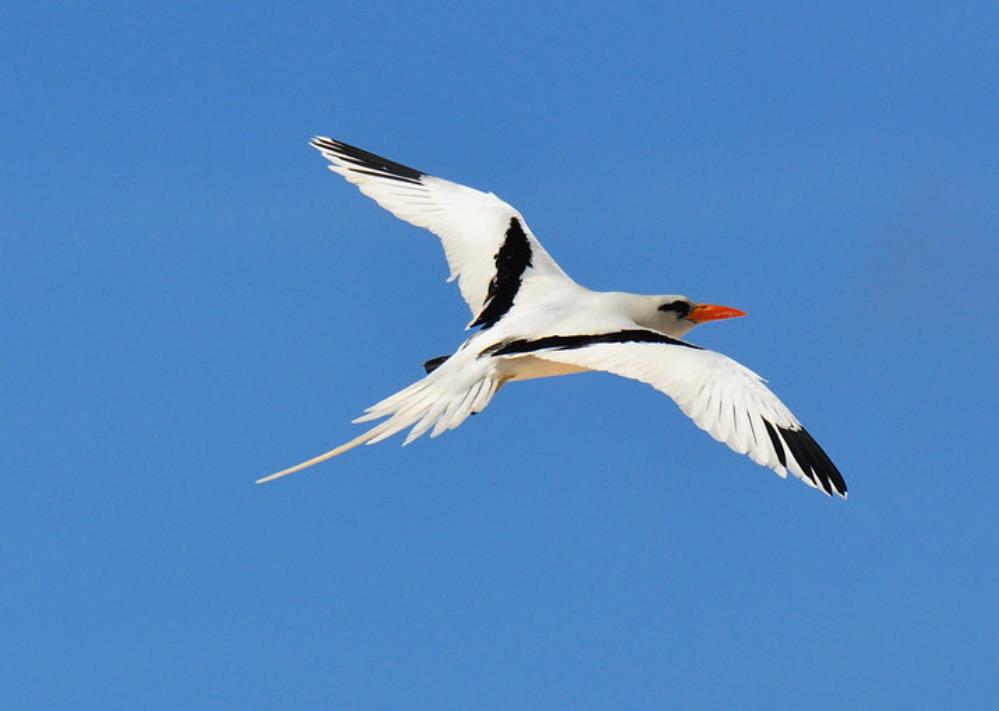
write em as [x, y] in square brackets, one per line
[531, 367]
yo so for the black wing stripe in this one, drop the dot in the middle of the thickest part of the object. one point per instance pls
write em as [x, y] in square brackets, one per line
[564, 343]
[368, 163]
[775, 441]
[512, 260]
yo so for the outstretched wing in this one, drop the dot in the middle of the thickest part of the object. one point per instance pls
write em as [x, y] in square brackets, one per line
[722, 397]
[488, 245]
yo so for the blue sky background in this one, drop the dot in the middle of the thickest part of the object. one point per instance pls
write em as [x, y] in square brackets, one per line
[190, 301]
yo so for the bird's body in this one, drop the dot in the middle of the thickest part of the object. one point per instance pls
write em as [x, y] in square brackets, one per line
[531, 320]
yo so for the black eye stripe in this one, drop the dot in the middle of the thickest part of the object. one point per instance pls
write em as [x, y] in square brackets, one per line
[682, 308]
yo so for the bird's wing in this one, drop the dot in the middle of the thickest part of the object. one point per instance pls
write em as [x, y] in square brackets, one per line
[489, 247]
[724, 398]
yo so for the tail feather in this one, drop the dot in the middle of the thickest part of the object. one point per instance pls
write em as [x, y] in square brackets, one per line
[425, 422]
[442, 400]
[391, 404]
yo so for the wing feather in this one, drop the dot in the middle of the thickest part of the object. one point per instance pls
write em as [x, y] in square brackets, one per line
[724, 398]
[472, 225]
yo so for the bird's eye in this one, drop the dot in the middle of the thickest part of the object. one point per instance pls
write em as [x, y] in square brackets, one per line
[682, 308]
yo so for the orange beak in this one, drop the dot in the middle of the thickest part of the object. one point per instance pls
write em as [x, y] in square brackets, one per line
[712, 312]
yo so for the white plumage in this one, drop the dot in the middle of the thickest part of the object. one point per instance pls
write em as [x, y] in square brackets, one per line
[471, 224]
[533, 321]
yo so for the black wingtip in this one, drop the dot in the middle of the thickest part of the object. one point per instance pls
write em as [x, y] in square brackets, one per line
[366, 162]
[814, 461]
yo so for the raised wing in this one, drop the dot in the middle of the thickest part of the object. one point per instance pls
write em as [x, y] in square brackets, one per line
[488, 245]
[724, 398]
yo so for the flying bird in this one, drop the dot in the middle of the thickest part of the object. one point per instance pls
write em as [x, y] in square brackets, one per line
[531, 320]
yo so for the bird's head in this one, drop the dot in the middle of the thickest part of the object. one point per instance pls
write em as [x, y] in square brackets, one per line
[675, 315]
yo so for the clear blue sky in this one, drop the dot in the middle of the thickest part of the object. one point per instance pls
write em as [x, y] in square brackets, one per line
[190, 301]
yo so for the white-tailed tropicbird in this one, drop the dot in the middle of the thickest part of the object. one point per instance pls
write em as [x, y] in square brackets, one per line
[533, 321]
